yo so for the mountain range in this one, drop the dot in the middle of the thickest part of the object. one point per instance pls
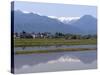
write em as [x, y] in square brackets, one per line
[32, 22]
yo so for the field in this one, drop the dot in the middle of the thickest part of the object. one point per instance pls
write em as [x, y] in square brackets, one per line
[50, 42]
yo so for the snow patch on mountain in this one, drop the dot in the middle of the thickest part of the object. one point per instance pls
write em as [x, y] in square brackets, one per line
[65, 19]
[26, 12]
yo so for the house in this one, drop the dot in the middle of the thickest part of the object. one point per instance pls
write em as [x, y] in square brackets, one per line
[16, 35]
[33, 35]
[25, 35]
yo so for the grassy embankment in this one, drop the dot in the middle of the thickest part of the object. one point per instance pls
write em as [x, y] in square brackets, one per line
[52, 51]
[50, 42]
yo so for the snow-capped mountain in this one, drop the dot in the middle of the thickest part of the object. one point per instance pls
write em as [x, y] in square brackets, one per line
[32, 22]
[65, 20]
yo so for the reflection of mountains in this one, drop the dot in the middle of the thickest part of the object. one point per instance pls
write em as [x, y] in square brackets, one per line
[86, 57]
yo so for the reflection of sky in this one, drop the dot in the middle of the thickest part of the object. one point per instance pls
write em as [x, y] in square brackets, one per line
[55, 61]
[58, 10]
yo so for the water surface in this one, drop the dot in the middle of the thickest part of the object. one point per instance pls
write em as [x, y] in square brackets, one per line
[53, 47]
[76, 60]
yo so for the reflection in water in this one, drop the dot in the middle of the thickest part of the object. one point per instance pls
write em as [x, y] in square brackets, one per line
[64, 59]
[23, 47]
[55, 61]
[53, 47]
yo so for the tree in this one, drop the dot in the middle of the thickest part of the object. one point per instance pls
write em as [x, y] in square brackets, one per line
[23, 34]
[87, 36]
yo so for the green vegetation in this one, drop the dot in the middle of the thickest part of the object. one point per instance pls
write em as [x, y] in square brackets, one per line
[53, 41]
[52, 51]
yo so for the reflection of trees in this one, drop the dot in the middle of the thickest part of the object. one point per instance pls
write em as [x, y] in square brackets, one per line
[34, 59]
[23, 47]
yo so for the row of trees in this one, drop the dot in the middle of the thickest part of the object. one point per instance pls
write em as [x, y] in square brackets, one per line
[24, 34]
[74, 36]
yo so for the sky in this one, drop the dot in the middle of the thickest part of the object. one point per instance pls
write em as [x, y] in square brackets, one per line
[58, 10]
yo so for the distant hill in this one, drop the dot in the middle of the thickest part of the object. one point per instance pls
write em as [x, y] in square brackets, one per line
[31, 22]
[87, 23]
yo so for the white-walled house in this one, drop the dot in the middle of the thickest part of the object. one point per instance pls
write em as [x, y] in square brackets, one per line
[34, 36]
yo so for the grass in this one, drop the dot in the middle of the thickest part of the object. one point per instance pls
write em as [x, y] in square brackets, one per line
[49, 42]
[52, 51]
